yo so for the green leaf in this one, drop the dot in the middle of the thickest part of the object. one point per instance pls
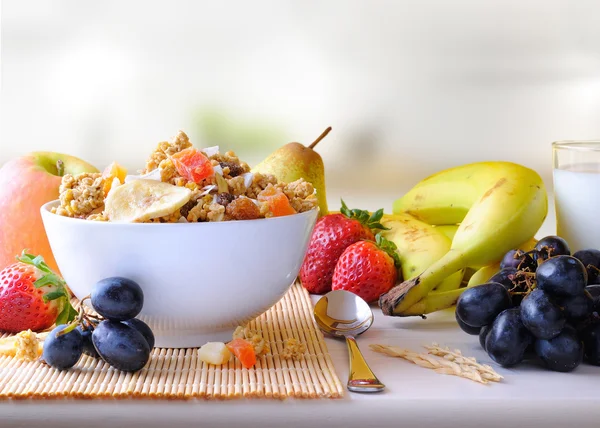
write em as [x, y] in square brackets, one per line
[68, 313]
[49, 279]
[389, 247]
[37, 261]
[53, 295]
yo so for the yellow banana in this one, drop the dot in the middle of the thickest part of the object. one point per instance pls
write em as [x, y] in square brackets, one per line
[419, 246]
[499, 205]
[485, 273]
[448, 229]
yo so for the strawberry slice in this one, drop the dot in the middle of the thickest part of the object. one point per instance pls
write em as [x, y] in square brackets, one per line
[32, 296]
[193, 165]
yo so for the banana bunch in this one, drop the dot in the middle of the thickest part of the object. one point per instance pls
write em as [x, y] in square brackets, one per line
[453, 228]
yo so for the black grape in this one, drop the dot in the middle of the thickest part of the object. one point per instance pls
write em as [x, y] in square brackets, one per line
[117, 298]
[86, 338]
[594, 291]
[508, 338]
[121, 346]
[483, 335]
[577, 308]
[591, 343]
[561, 276]
[478, 306]
[563, 353]
[143, 328]
[541, 316]
[505, 277]
[591, 260]
[64, 351]
[552, 246]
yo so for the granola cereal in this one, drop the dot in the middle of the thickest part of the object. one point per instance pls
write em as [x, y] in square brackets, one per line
[216, 181]
[80, 195]
[261, 347]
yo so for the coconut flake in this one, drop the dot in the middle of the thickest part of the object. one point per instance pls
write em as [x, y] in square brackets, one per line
[155, 174]
[182, 219]
[218, 169]
[210, 151]
[207, 189]
[248, 178]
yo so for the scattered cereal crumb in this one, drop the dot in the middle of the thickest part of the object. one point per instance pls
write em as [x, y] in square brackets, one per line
[293, 349]
[261, 347]
[25, 345]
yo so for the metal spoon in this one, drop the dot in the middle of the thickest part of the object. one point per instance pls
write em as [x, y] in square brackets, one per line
[340, 313]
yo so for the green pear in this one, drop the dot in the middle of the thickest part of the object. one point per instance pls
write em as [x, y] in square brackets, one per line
[294, 161]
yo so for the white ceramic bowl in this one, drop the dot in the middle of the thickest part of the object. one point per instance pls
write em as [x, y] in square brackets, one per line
[200, 280]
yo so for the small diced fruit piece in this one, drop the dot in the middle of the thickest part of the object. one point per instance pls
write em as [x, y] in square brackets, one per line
[244, 351]
[193, 165]
[242, 209]
[112, 171]
[214, 353]
[278, 203]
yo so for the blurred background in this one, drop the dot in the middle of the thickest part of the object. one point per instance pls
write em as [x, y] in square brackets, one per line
[409, 87]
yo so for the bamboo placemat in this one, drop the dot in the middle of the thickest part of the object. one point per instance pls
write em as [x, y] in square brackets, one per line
[178, 374]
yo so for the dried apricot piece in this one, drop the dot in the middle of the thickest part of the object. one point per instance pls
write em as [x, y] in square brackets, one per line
[112, 171]
[244, 351]
[277, 201]
[193, 165]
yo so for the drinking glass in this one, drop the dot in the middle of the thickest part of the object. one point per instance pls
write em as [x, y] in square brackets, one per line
[577, 192]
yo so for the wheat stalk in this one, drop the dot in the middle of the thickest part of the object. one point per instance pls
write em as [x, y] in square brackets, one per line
[444, 361]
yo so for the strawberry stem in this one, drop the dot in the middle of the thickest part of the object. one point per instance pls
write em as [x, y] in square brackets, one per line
[372, 221]
[50, 278]
[389, 247]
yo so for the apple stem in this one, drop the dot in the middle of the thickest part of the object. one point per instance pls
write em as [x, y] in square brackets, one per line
[60, 168]
[319, 138]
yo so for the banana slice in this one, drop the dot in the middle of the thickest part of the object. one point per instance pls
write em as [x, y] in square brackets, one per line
[142, 200]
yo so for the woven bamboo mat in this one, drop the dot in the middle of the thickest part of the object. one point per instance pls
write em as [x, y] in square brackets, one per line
[178, 374]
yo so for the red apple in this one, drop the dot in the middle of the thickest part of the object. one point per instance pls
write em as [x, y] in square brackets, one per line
[26, 183]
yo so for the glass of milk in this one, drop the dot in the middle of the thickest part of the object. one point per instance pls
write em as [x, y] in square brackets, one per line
[577, 192]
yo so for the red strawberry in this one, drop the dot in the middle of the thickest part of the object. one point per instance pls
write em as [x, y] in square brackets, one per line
[332, 234]
[367, 269]
[32, 296]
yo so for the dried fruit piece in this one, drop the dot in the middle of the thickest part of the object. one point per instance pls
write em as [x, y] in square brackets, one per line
[112, 172]
[244, 351]
[278, 203]
[142, 200]
[193, 165]
[242, 209]
[214, 353]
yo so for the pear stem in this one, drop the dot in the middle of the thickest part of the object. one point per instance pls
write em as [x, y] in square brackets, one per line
[60, 168]
[320, 137]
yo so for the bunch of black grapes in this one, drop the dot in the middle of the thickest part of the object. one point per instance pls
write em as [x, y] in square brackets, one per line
[117, 337]
[542, 304]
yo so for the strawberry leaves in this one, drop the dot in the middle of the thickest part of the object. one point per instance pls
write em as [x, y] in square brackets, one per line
[49, 278]
[389, 247]
[372, 221]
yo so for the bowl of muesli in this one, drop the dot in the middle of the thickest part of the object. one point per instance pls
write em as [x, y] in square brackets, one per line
[211, 243]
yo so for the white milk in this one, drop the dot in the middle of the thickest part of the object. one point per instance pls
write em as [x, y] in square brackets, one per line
[577, 200]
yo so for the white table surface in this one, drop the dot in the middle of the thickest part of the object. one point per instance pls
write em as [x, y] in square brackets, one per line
[528, 396]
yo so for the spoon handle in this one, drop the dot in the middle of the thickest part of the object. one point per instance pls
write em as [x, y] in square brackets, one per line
[360, 378]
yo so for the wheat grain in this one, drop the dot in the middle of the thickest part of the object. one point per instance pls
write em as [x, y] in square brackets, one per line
[444, 361]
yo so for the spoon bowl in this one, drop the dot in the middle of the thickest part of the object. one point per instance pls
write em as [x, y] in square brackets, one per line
[343, 314]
